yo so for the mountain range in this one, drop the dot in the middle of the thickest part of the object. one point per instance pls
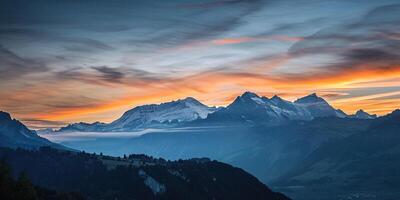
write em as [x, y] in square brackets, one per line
[305, 148]
[249, 108]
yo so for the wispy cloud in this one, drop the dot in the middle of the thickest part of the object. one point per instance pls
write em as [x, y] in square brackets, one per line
[225, 41]
[13, 66]
[110, 74]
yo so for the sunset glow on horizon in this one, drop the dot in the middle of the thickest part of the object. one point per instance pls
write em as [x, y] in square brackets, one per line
[93, 61]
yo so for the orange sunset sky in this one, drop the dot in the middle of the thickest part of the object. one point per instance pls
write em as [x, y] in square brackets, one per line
[68, 63]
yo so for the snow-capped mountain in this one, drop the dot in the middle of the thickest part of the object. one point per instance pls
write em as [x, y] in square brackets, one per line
[182, 110]
[82, 126]
[318, 107]
[150, 116]
[361, 114]
[246, 108]
[274, 110]
[249, 107]
[289, 110]
[15, 134]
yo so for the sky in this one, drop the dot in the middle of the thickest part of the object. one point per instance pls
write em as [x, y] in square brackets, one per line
[68, 61]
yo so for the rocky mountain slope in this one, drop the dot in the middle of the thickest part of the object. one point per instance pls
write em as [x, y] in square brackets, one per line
[14, 134]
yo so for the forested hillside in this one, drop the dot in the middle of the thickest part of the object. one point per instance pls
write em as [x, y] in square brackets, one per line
[135, 176]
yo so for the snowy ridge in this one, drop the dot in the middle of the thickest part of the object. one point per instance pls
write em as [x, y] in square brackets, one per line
[184, 110]
[248, 107]
[150, 116]
[318, 107]
[255, 109]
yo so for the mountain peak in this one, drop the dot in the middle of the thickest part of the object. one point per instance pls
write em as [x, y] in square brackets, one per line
[276, 98]
[311, 98]
[158, 115]
[16, 134]
[361, 111]
[395, 113]
[361, 114]
[313, 95]
[247, 98]
[249, 94]
[190, 100]
[4, 116]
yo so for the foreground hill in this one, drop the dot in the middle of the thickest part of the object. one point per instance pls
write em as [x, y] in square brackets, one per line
[22, 188]
[135, 176]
